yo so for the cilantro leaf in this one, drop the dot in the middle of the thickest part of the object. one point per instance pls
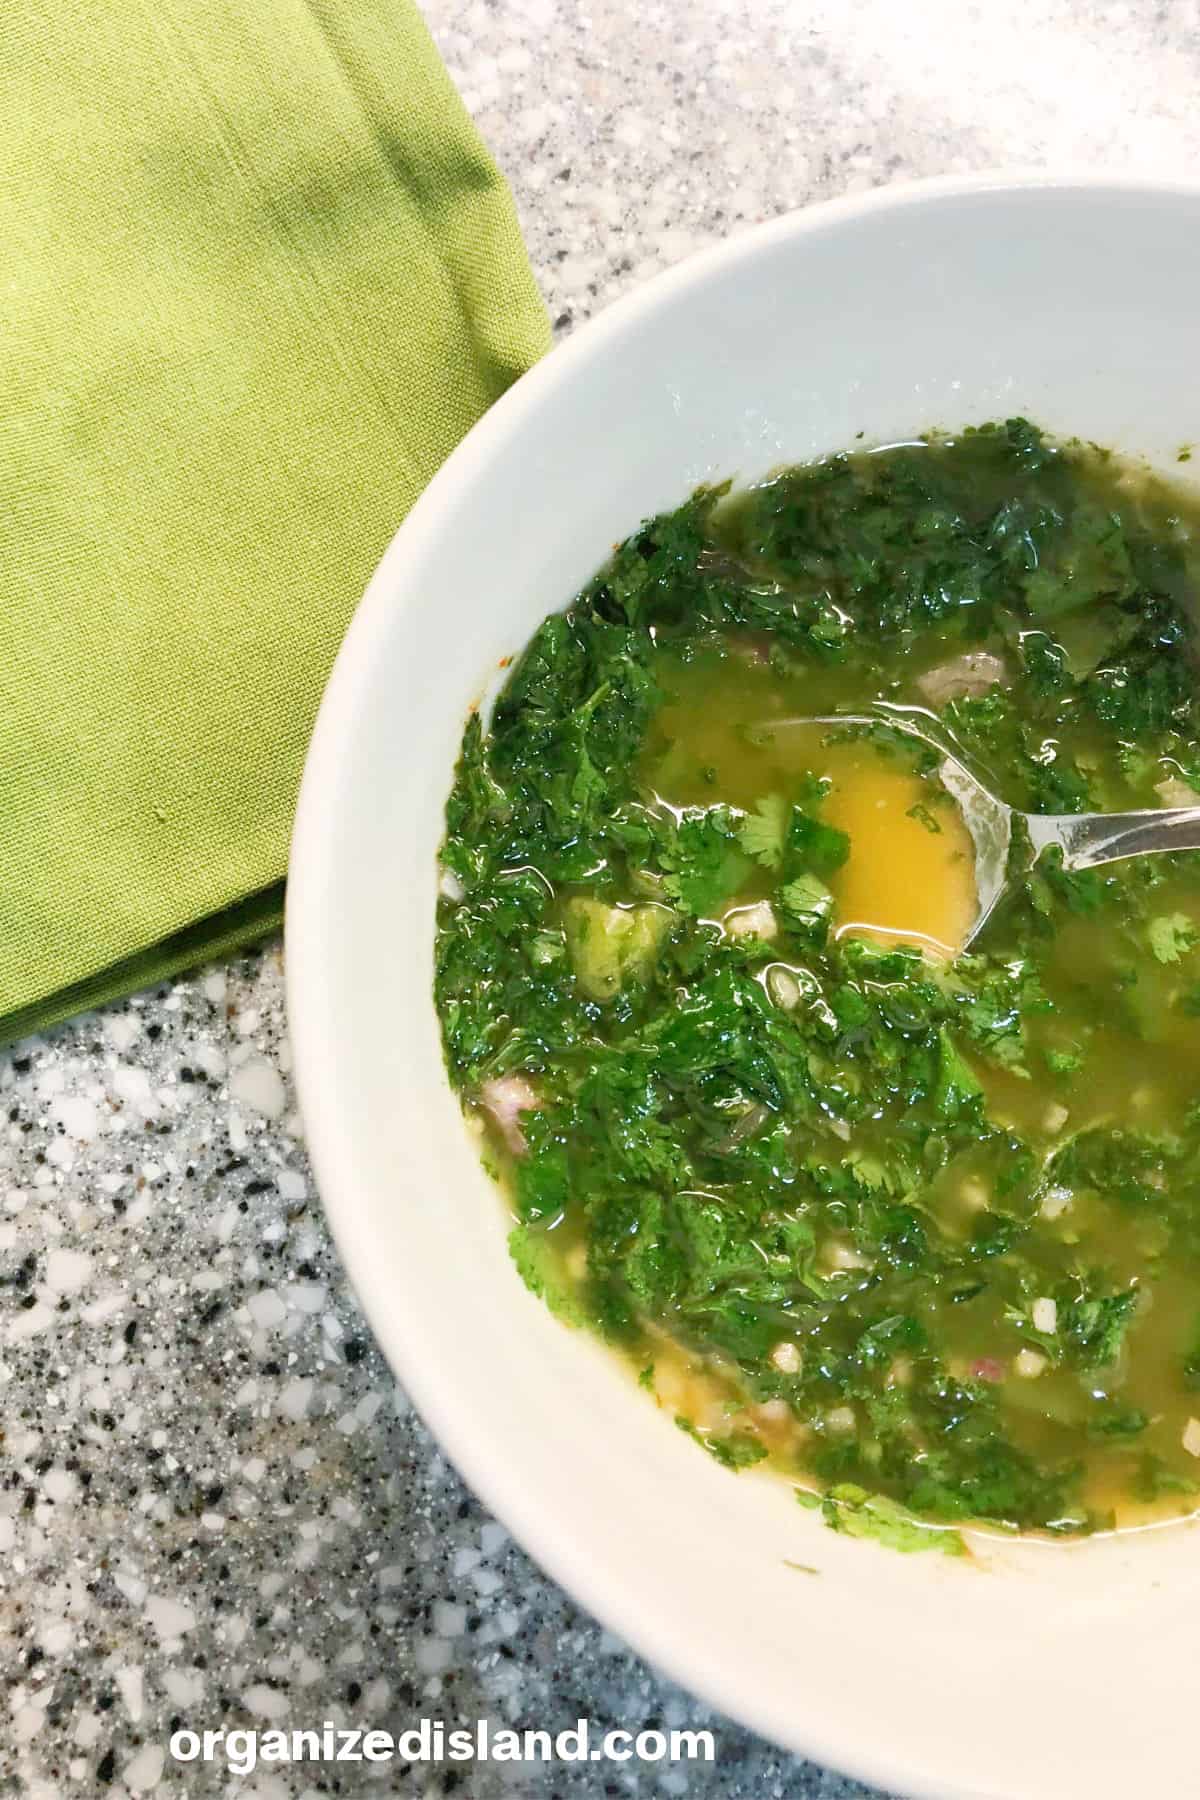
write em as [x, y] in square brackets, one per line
[764, 830]
[857, 1513]
[957, 1088]
[1092, 1325]
[807, 904]
[1171, 936]
[814, 845]
[707, 863]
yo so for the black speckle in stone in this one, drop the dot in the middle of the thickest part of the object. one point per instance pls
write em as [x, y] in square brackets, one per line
[353, 1691]
[270, 1368]
[306, 1270]
[34, 1656]
[153, 1032]
[213, 1494]
[186, 1074]
[106, 1768]
[28, 1301]
[562, 321]
[355, 1350]
[563, 174]
[258, 1187]
[130, 1331]
[22, 1064]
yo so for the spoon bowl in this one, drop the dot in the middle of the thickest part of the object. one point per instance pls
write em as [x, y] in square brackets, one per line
[1008, 842]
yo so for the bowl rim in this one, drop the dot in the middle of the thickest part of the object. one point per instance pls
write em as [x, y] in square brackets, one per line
[539, 1530]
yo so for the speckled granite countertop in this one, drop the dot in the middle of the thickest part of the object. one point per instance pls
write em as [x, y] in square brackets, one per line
[216, 1508]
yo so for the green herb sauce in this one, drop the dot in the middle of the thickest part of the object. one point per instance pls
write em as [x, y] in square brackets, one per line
[914, 1225]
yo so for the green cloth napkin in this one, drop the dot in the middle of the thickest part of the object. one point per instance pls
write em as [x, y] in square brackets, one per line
[259, 276]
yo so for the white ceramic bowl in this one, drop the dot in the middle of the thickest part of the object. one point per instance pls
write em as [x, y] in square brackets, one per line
[1035, 1672]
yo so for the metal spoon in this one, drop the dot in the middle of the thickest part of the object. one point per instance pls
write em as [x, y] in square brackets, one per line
[1085, 839]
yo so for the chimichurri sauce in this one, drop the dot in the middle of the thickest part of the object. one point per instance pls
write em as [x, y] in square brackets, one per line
[910, 1222]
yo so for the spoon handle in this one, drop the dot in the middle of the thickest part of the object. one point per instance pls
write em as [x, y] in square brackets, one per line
[1087, 839]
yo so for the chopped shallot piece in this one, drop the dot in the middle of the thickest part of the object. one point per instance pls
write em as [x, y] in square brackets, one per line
[974, 1194]
[1055, 1201]
[845, 1256]
[1044, 1314]
[783, 987]
[1029, 1363]
[506, 1098]
[752, 921]
[1191, 1437]
[987, 1368]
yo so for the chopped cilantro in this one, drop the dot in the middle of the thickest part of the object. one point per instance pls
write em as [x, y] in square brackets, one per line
[1092, 1325]
[839, 1175]
[1172, 936]
[736, 1450]
[923, 815]
[808, 905]
[957, 1087]
[764, 831]
[706, 861]
[857, 1513]
[816, 846]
